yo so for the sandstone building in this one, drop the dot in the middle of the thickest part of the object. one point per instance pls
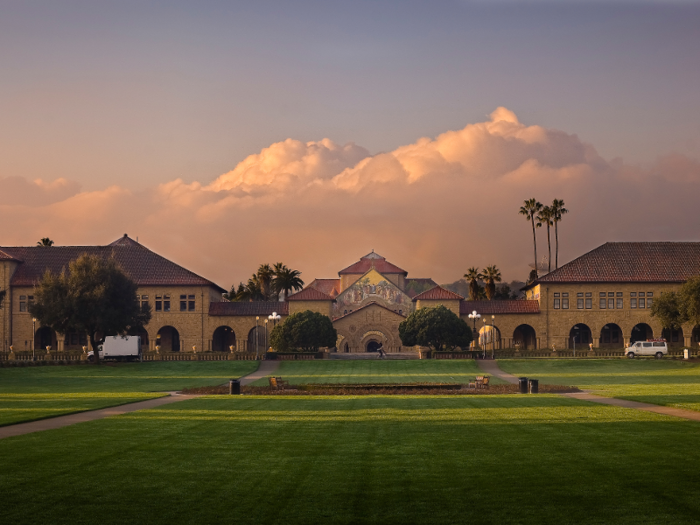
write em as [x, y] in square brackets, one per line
[602, 298]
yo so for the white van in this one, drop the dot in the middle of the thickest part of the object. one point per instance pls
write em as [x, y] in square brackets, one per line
[657, 348]
[119, 348]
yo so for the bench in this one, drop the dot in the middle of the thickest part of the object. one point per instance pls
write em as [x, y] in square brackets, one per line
[480, 382]
[278, 383]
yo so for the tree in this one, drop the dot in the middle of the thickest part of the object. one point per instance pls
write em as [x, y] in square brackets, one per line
[473, 276]
[558, 210]
[304, 331]
[45, 241]
[667, 309]
[529, 209]
[264, 277]
[286, 280]
[689, 296]
[491, 275]
[437, 328]
[544, 218]
[94, 296]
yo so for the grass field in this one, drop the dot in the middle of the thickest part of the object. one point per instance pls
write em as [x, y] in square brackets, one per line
[393, 460]
[378, 371]
[38, 392]
[666, 382]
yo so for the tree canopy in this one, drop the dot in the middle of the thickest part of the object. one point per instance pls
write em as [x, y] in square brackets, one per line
[94, 296]
[45, 241]
[267, 284]
[437, 328]
[304, 331]
[676, 308]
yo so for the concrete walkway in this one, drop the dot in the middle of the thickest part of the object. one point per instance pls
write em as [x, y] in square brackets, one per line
[91, 415]
[266, 368]
[491, 367]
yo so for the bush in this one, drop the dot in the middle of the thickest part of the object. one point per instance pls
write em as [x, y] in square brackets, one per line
[304, 332]
[437, 328]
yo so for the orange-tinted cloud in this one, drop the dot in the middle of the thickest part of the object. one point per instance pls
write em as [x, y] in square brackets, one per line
[434, 207]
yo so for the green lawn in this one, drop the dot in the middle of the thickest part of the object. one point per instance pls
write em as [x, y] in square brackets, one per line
[38, 392]
[666, 382]
[378, 371]
[365, 459]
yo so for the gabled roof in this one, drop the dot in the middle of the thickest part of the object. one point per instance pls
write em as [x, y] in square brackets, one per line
[328, 286]
[310, 294]
[420, 283]
[6, 256]
[438, 294]
[145, 267]
[248, 308]
[509, 306]
[369, 261]
[631, 262]
[372, 303]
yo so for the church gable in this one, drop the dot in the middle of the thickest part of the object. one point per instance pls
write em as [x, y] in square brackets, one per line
[372, 287]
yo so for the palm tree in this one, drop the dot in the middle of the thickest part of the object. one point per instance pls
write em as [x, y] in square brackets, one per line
[286, 280]
[491, 275]
[473, 276]
[545, 218]
[558, 210]
[251, 291]
[45, 241]
[530, 208]
[264, 278]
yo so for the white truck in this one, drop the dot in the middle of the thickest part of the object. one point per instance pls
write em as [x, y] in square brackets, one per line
[119, 348]
[656, 347]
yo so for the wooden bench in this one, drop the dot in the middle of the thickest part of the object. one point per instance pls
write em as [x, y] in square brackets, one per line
[278, 383]
[480, 382]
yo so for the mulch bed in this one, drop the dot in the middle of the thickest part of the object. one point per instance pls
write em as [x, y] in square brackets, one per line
[388, 389]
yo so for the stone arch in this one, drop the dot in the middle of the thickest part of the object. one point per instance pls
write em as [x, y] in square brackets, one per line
[259, 343]
[611, 335]
[641, 332]
[490, 337]
[695, 335]
[525, 337]
[580, 335]
[372, 340]
[222, 339]
[44, 337]
[673, 336]
[143, 334]
[168, 338]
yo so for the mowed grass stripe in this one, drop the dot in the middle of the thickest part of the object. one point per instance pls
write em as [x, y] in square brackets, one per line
[515, 459]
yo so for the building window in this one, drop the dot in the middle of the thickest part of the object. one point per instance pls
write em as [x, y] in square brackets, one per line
[649, 299]
[183, 303]
[144, 301]
[611, 304]
[565, 301]
[190, 303]
[589, 300]
[557, 301]
[602, 303]
[633, 302]
[641, 301]
[579, 300]
[22, 303]
[620, 303]
[166, 303]
[159, 303]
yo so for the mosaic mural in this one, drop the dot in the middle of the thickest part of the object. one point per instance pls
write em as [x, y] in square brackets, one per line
[372, 287]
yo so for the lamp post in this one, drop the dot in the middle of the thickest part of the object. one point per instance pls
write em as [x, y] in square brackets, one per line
[267, 344]
[274, 317]
[474, 316]
[256, 337]
[485, 342]
[493, 336]
[33, 338]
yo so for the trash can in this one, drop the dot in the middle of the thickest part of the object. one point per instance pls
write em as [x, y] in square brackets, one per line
[234, 387]
[534, 386]
[522, 381]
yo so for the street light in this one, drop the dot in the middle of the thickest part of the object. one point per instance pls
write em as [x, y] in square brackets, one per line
[267, 345]
[493, 337]
[33, 338]
[274, 317]
[474, 316]
[256, 337]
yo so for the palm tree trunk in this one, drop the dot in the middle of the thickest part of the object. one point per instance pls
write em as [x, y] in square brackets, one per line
[534, 241]
[556, 249]
[549, 247]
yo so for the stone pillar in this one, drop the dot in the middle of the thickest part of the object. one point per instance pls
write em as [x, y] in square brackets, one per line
[626, 341]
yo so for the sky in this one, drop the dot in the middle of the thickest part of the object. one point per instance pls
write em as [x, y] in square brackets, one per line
[228, 134]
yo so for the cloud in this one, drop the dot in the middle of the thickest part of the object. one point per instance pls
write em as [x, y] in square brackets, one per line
[18, 191]
[434, 207]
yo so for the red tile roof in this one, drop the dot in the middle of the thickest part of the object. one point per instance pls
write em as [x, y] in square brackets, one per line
[631, 262]
[328, 286]
[510, 306]
[248, 308]
[310, 294]
[369, 261]
[145, 267]
[6, 256]
[411, 285]
[438, 294]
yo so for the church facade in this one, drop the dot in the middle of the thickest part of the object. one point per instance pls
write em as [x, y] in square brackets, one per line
[602, 299]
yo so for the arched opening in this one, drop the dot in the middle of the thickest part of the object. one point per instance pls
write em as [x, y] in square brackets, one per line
[45, 337]
[673, 336]
[373, 346]
[259, 343]
[490, 337]
[611, 335]
[524, 337]
[580, 336]
[224, 337]
[143, 334]
[641, 332]
[345, 348]
[168, 339]
[695, 336]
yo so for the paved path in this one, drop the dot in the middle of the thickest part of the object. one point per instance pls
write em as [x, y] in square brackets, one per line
[266, 368]
[491, 366]
[91, 415]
